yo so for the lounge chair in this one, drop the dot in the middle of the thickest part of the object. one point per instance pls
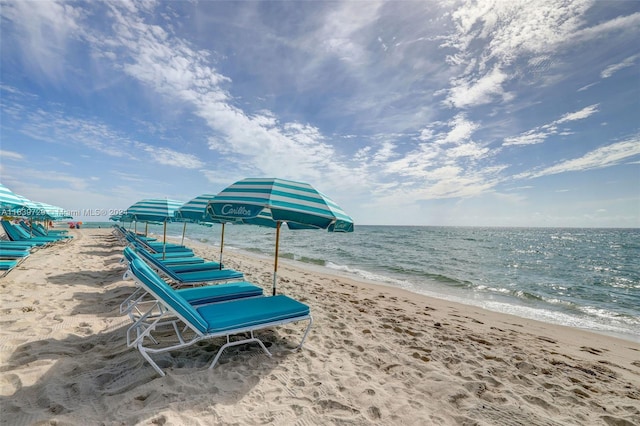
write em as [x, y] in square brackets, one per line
[192, 277]
[39, 231]
[53, 232]
[13, 253]
[159, 248]
[120, 233]
[16, 245]
[10, 258]
[177, 265]
[6, 266]
[226, 289]
[15, 233]
[134, 304]
[196, 296]
[194, 324]
[175, 261]
[32, 231]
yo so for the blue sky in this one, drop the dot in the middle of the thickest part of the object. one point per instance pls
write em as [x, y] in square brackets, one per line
[503, 113]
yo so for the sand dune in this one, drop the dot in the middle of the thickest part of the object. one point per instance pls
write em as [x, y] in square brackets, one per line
[375, 355]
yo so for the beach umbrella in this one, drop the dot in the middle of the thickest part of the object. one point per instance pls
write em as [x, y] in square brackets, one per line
[47, 212]
[297, 204]
[160, 210]
[13, 204]
[195, 211]
[9, 201]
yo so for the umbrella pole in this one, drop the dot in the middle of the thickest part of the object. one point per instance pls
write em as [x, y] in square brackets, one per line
[275, 263]
[221, 244]
[164, 241]
[184, 229]
[146, 229]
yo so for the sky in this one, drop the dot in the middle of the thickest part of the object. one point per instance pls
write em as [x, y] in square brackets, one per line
[461, 113]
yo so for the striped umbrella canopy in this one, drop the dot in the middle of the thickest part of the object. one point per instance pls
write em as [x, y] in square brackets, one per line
[293, 202]
[297, 204]
[124, 217]
[13, 204]
[195, 211]
[44, 211]
[155, 210]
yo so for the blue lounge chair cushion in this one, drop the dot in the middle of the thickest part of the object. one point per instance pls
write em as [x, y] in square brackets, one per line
[50, 231]
[13, 253]
[187, 273]
[192, 277]
[16, 245]
[219, 293]
[158, 247]
[34, 232]
[204, 276]
[193, 267]
[40, 232]
[170, 261]
[249, 312]
[7, 264]
[172, 254]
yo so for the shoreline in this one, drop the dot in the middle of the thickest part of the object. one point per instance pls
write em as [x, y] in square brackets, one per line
[375, 354]
[205, 251]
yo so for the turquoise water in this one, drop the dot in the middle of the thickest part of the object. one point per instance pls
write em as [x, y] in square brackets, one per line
[586, 278]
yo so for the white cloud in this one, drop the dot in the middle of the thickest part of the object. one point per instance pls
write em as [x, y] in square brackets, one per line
[490, 37]
[528, 138]
[46, 31]
[602, 157]
[478, 91]
[578, 115]
[260, 141]
[340, 28]
[56, 127]
[541, 133]
[445, 161]
[588, 86]
[385, 153]
[11, 155]
[22, 174]
[169, 157]
[618, 24]
[461, 130]
[612, 69]
[471, 149]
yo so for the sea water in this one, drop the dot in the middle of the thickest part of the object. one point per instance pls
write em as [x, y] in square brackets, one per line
[585, 278]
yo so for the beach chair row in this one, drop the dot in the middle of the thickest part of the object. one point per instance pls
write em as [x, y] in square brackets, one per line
[21, 240]
[183, 299]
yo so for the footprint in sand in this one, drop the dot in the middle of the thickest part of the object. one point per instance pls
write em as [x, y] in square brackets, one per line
[593, 351]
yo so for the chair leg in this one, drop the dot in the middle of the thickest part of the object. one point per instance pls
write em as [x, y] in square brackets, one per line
[146, 356]
[304, 336]
[239, 342]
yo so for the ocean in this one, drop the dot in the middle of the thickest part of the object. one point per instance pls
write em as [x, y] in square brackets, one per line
[584, 278]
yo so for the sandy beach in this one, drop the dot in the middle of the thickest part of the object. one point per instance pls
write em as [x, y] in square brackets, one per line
[375, 355]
